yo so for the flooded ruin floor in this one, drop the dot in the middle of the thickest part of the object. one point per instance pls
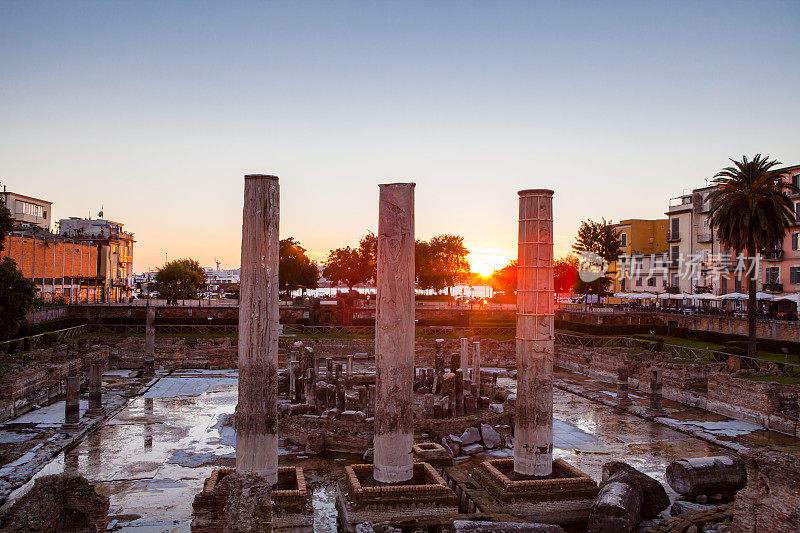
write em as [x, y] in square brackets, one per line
[152, 457]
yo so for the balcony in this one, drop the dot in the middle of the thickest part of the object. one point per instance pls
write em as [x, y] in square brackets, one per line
[704, 236]
[772, 287]
[772, 255]
[673, 236]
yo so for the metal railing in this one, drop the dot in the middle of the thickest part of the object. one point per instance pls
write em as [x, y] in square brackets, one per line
[43, 339]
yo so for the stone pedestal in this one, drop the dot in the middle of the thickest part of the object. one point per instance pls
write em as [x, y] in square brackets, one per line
[257, 409]
[149, 368]
[533, 440]
[72, 407]
[394, 335]
[95, 390]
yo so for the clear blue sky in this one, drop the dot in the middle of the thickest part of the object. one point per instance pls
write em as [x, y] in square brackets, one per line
[156, 110]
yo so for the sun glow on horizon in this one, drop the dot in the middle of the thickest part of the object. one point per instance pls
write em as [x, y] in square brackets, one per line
[484, 261]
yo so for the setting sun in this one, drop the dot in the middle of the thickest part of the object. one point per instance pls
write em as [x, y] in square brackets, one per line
[484, 261]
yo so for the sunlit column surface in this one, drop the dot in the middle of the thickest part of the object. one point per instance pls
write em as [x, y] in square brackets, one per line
[394, 335]
[533, 441]
[257, 410]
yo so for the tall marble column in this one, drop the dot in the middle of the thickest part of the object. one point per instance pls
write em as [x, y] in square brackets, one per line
[533, 441]
[257, 410]
[394, 335]
[149, 368]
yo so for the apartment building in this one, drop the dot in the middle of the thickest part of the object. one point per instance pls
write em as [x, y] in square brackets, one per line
[27, 210]
[698, 262]
[642, 263]
[781, 267]
[115, 252]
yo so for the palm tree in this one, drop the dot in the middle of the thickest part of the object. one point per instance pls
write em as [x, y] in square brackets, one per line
[751, 211]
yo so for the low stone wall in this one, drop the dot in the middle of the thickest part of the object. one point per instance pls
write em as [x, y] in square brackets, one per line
[766, 329]
[766, 404]
[770, 503]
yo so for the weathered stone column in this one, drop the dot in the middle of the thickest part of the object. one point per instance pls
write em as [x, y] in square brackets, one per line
[72, 406]
[656, 397]
[95, 389]
[149, 368]
[476, 366]
[394, 335]
[458, 386]
[533, 441]
[464, 355]
[257, 410]
[438, 358]
[622, 386]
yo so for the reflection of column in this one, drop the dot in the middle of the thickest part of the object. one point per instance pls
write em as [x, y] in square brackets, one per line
[533, 442]
[94, 442]
[148, 426]
[257, 410]
[394, 335]
[71, 461]
[150, 343]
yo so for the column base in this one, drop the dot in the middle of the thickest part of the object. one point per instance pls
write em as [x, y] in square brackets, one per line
[101, 411]
[564, 497]
[361, 499]
[70, 428]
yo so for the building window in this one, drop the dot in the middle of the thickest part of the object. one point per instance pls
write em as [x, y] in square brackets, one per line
[622, 284]
[772, 274]
[797, 211]
[638, 282]
[796, 180]
[795, 241]
[651, 282]
[27, 208]
[723, 285]
[623, 237]
[737, 285]
[794, 273]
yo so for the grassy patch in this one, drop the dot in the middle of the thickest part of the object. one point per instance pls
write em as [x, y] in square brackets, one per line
[783, 380]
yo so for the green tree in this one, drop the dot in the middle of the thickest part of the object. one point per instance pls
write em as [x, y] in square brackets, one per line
[751, 211]
[179, 279]
[17, 296]
[295, 269]
[6, 225]
[346, 265]
[602, 239]
[565, 274]
[368, 249]
[441, 262]
[505, 279]
[17, 293]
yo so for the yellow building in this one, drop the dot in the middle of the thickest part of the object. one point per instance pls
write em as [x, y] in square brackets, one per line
[640, 240]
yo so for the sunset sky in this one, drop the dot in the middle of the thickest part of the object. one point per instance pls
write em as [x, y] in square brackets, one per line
[156, 110]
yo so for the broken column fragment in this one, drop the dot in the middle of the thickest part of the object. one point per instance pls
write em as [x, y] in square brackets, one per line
[149, 368]
[533, 440]
[257, 408]
[476, 367]
[394, 335]
[72, 407]
[95, 389]
[656, 395]
[707, 475]
[464, 362]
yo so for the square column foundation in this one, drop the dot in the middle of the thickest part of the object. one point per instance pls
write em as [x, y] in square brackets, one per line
[361, 499]
[563, 497]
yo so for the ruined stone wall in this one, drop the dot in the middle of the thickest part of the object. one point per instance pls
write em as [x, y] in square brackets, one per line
[770, 503]
[766, 404]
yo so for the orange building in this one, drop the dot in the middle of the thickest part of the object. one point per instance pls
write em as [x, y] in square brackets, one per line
[62, 269]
